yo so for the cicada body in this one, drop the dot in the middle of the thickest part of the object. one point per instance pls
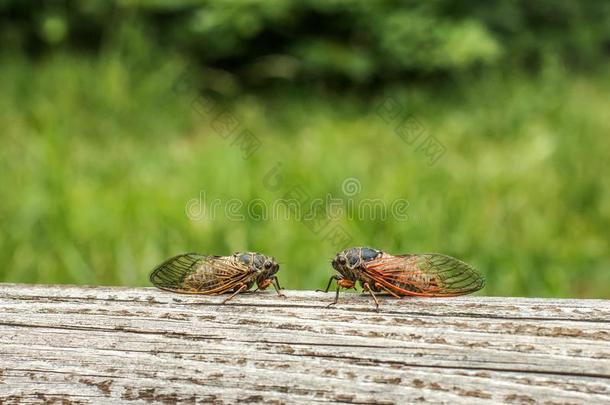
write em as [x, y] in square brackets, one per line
[425, 275]
[192, 273]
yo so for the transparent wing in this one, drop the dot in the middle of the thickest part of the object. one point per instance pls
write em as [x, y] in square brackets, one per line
[430, 274]
[198, 274]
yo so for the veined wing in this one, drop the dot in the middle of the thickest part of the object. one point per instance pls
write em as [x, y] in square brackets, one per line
[193, 273]
[430, 274]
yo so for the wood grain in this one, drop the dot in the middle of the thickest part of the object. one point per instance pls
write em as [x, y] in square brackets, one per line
[64, 344]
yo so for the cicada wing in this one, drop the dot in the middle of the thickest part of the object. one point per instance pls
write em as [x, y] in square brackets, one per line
[198, 274]
[430, 274]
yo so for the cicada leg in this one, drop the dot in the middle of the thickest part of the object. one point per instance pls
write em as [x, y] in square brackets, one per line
[336, 297]
[276, 284]
[341, 282]
[330, 280]
[367, 287]
[386, 289]
[240, 289]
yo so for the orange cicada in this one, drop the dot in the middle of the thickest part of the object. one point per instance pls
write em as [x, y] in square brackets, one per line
[192, 273]
[425, 275]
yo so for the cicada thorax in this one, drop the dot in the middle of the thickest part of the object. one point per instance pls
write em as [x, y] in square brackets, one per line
[351, 262]
[362, 277]
[263, 266]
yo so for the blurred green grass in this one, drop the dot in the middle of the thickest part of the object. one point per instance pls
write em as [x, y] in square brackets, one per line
[100, 158]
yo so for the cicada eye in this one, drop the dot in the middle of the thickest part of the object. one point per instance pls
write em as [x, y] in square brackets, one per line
[342, 260]
[268, 265]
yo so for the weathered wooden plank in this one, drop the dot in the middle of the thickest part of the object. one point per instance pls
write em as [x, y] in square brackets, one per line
[82, 345]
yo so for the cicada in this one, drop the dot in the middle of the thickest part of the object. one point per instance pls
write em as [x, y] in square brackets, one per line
[193, 273]
[425, 275]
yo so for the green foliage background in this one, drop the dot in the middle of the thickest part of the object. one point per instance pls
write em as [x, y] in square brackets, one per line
[100, 154]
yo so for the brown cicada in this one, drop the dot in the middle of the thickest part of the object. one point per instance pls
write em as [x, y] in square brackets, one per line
[192, 273]
[424, 275]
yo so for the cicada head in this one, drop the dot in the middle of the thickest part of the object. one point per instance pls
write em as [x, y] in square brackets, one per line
[264, 266]
[348, 261]
[268, 268]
